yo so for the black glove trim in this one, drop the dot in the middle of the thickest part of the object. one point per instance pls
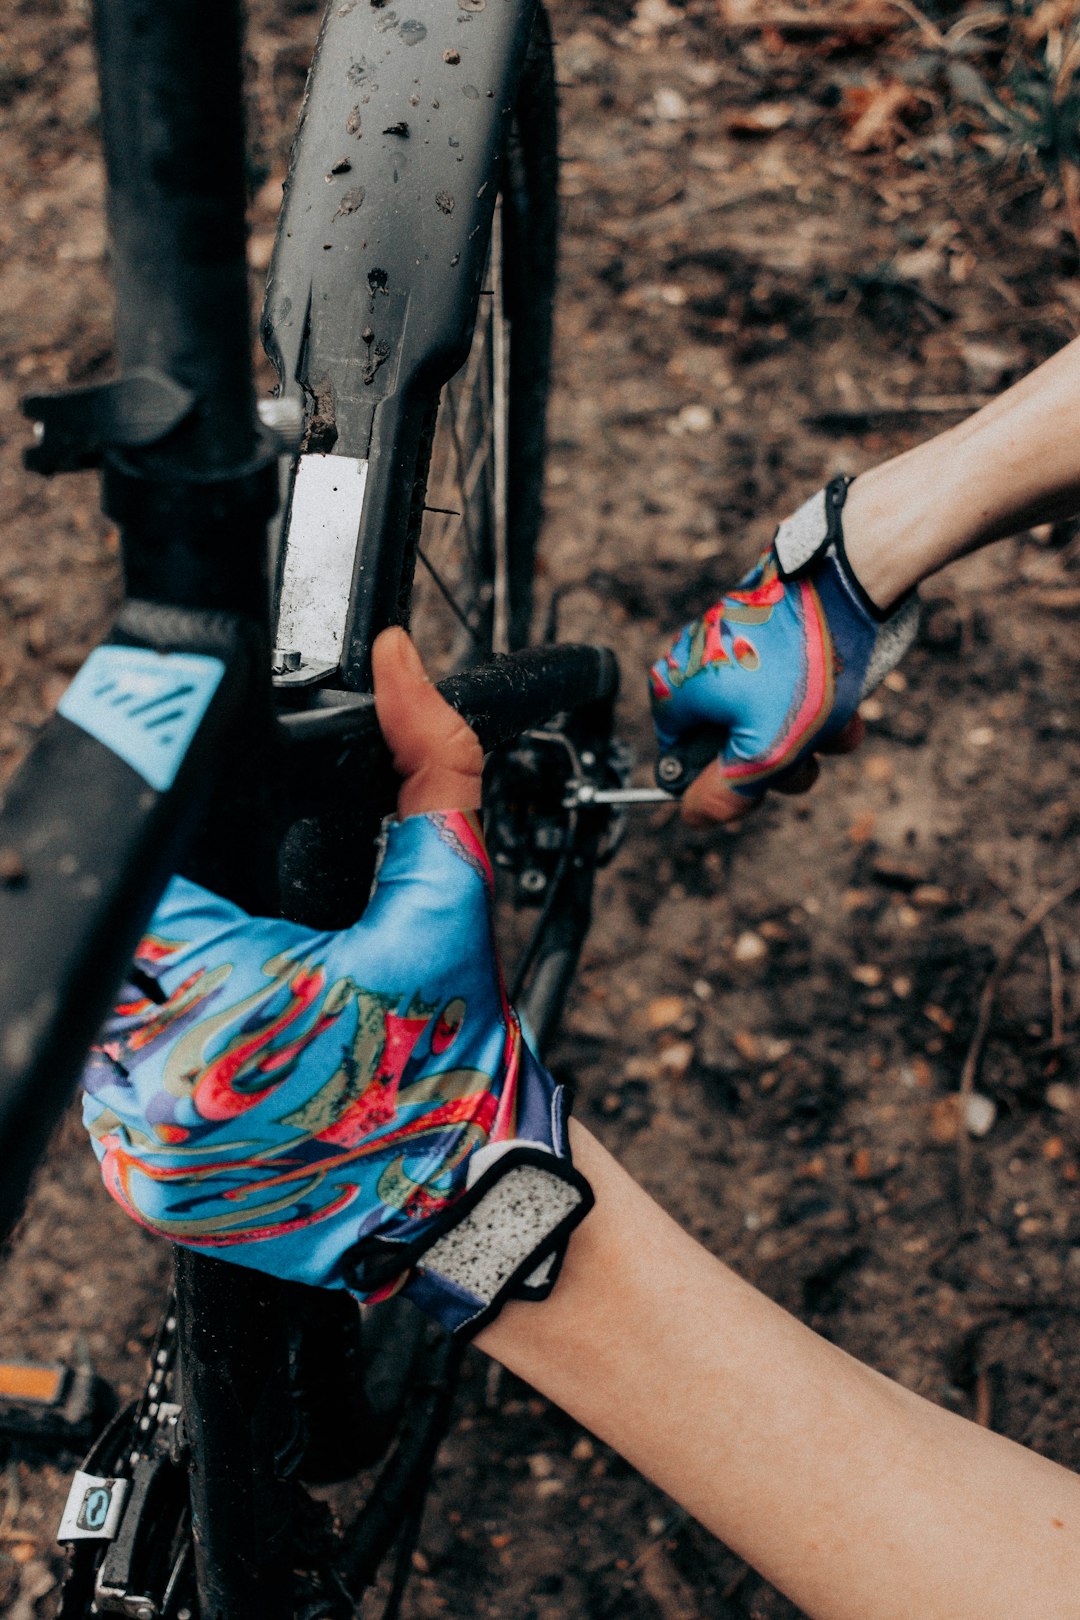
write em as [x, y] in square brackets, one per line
[374, 1262]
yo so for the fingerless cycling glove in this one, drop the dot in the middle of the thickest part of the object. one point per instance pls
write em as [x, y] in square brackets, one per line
[356, 1109]
[782, 661]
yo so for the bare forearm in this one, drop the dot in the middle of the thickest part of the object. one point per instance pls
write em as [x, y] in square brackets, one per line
[857, 1498]
[1014, 463]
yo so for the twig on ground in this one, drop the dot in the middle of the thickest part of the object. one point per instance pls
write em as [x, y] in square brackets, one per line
[844, 418]
[1057, 983]
[825, 20]
[735, 1582]
[1035, 917]
[930, 33]
[1063, 598]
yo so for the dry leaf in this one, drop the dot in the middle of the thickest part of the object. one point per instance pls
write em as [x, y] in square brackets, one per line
[945, 1119]
[746, 1044]
[874, 115]
[764, 119]
[862, 828]
[862, 1167]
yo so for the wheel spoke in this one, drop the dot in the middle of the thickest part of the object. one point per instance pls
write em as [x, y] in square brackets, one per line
[447, 595]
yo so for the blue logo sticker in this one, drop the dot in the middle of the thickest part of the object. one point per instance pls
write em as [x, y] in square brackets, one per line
[95, 1508]
[143, 705]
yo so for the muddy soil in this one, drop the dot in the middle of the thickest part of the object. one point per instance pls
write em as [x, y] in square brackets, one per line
[790, 248]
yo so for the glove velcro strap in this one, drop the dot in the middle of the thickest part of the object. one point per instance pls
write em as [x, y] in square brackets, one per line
[808, 533]
[504, 1237]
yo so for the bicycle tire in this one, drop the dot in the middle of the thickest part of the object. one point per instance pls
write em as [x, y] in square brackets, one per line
[463, 555]
[478, 501]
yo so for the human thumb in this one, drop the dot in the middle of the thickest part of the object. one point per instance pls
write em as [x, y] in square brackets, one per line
[435, 752]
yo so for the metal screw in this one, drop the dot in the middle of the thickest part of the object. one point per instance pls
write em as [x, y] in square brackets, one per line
[285, 417]
[669, 768]
[533, 881]
[588, 757]
[285, 658]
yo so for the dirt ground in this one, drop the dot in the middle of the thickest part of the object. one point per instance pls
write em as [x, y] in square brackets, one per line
[795, 243]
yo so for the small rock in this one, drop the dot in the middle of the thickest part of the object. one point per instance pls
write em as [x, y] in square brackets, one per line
[980, 1113]
[862, 828]
[583, 1450]
[901, 987]
[895, 680]
[877, 768]
[898, 871]
[12, 869]
[694, 419]
[867, 973]
[663, 1011]
[930, 896]
[677, 1058]
[749, 947]
[764, 119]
[540, 1465]
[746, 1044]
[1061, 1098]
[872, 709]
[670, 106]
[981, 736]
[549, 1487]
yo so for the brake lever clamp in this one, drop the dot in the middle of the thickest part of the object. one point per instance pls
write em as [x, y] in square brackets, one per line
[682, 764]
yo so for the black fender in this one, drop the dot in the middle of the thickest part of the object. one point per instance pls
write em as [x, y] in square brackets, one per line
[381, 246]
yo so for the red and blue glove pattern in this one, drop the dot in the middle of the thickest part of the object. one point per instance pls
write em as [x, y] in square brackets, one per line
[355, 1109]
[780, 664]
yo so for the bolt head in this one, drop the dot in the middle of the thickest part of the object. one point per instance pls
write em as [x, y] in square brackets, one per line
[669, 769]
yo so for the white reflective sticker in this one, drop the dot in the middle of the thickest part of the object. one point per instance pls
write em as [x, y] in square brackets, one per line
[320, 548]
[94, 1508]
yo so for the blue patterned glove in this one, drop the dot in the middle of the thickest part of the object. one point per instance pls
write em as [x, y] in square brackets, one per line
[355, 1110]
[780, 664]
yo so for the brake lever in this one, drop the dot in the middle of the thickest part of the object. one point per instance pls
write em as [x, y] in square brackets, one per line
[682, 764]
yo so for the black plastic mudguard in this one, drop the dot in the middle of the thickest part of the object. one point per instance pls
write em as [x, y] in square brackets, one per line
[382, 243]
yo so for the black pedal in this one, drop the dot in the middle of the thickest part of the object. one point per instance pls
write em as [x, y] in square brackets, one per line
[53, 1405]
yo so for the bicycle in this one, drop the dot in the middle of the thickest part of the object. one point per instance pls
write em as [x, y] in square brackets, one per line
[187, 1504]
